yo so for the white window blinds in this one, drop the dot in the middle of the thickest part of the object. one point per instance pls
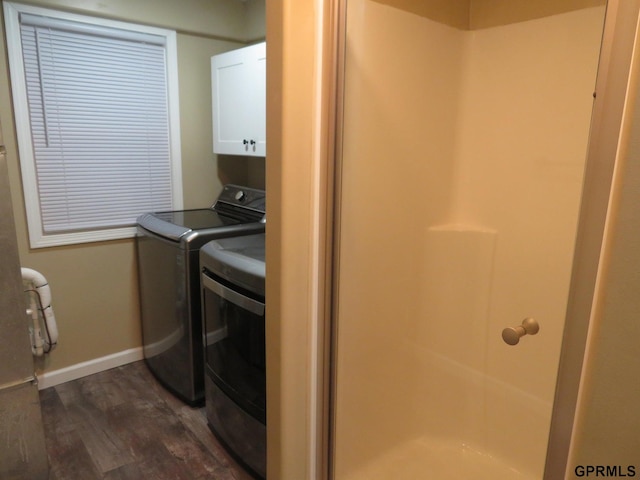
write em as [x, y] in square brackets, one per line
[98, 106]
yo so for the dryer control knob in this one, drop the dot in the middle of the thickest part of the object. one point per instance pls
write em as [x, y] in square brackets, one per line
[241, 196]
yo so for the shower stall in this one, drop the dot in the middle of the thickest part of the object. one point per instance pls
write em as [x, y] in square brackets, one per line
[465, 128]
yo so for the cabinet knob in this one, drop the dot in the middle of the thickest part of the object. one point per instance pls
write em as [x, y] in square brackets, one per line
[245, 142]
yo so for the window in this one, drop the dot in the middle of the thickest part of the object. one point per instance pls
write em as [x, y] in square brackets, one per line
[96, 112]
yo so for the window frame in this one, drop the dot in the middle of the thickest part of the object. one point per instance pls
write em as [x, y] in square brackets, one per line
[37, 237]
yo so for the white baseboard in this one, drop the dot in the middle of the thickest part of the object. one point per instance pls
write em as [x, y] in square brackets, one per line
[73, 372]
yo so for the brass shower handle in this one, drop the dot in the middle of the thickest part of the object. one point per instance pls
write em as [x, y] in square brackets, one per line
[511, 335]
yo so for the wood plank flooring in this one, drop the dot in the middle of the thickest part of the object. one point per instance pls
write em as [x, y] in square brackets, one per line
[123, 425]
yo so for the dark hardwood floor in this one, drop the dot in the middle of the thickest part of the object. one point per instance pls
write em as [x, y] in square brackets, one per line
[121, 424]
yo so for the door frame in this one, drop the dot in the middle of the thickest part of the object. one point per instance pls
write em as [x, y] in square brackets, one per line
[305, 45]
[612, 82]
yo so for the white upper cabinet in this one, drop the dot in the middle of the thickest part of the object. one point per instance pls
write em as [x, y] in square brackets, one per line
[238, 80]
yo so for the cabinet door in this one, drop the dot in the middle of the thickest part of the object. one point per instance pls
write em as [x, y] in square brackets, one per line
[239, 101]
[228, 82]
[258, 107]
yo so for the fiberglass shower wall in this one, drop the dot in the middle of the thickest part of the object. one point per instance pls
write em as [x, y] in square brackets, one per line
[462, 167]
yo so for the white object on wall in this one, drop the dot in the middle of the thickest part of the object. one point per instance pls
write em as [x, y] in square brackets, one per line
[40, 301]
[238, 83]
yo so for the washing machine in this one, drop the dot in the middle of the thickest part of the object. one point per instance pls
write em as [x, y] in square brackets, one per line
[168, 245]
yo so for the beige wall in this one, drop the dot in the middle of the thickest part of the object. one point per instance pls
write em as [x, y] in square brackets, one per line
[491, 13]
[223, 19]
[449, 12]
[203, 172]
[477, 14]
[255, 19]
[94, 286]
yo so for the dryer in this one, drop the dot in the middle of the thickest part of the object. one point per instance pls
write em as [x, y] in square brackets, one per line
[233, 308]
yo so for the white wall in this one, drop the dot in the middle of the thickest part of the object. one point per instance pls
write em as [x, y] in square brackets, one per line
[523, 139]
[403, 76]
[478, 138]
